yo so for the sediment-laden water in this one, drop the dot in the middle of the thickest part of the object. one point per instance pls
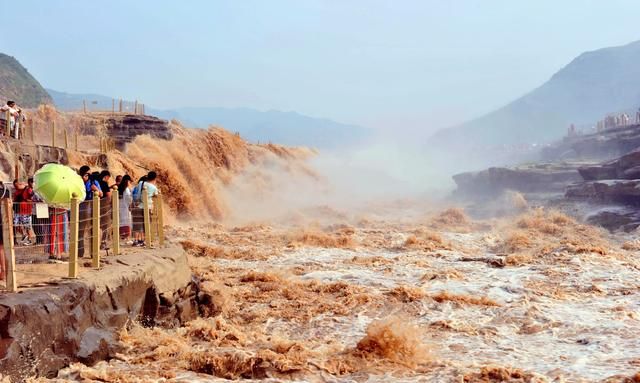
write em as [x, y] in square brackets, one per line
[531, 298]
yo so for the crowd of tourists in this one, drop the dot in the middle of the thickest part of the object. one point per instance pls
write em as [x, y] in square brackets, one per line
[131, 206]
[36, 224]
[12, 120]
[49, 228]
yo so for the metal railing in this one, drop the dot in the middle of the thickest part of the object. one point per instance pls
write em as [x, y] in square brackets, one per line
[54, 135]
[33, 230]
[116, 106]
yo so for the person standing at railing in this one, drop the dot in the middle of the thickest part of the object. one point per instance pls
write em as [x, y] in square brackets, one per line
[126, 198]
[137, 213]
[27, 208]
[40, 225]
[105, 208]
[13, 114]
[91, 187]
[147, 181]
[21, 119]
[23, 200]
[57, 235]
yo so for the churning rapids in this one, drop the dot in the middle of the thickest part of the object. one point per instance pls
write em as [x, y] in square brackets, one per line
[398, 296]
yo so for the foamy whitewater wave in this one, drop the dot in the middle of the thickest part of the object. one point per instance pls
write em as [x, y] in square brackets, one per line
[358, 301]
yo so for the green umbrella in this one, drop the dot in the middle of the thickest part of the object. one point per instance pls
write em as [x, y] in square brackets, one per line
[55, 184]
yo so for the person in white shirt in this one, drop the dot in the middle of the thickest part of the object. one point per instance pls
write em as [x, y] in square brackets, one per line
[15, 118]
[137, 213]
[126, 199]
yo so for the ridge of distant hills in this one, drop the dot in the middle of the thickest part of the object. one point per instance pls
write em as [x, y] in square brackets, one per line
[16, 83]
[591, 86]
[285, 128]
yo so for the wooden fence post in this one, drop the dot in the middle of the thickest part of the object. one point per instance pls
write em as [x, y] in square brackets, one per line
[53, 134]
[76, 140]
[73, 236]
[160, 218]
[115, 211]
[147, 217]
[95, 232]
[113, 106]
[7, 239]
[155, 232]
[66, 140]
[32, 125]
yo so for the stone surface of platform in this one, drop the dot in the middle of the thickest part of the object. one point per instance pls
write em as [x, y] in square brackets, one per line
[53, 322]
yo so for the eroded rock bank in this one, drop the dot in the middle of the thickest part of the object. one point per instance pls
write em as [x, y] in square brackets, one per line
[43, 329]
[124, 128]
[552, 177]
[603, 145]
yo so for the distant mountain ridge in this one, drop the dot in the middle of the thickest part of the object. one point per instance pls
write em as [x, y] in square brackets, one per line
[592, 85]
[17, 84]
[285, 128]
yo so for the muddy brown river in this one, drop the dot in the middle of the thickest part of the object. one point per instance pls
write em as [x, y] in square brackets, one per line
[536, 297]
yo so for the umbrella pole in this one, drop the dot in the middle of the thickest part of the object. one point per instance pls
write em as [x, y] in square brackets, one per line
[73, 240]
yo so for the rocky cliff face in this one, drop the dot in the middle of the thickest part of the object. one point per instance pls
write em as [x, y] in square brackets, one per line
[614, 183]
[625, 192]
[16, 83]
[605, 145]
[44, 329]
[123, 128]
[574, 166]
[526, 179]
[27, 157]
[626, 167]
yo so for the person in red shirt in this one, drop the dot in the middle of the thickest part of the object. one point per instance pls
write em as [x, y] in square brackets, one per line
[23, 197]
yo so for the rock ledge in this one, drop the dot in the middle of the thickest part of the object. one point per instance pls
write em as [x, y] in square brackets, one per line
[44, 329]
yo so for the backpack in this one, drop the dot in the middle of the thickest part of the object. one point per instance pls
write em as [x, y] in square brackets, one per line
[137, 193]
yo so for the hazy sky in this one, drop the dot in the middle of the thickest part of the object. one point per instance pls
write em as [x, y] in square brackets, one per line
[384, 64]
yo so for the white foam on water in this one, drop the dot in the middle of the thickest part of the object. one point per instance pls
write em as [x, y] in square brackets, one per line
[578, 319]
